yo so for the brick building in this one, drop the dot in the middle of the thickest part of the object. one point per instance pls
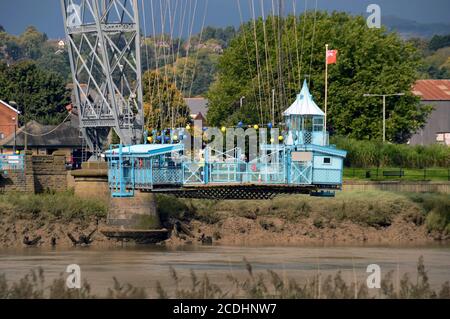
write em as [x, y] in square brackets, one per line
[9, 120]
[47, 139]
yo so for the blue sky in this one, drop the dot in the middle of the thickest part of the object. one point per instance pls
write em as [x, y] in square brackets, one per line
[16, 15]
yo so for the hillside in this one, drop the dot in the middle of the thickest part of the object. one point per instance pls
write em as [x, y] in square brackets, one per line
[412, 29]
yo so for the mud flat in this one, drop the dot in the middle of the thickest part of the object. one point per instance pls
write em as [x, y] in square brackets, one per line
[368, 218]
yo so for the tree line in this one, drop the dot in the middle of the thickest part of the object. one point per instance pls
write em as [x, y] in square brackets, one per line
[275, 55]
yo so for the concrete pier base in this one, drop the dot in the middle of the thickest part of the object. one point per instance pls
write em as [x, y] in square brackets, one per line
[92, 181]
[137, 213]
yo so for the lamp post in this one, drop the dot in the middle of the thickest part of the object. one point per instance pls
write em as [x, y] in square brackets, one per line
[241, 101]
[15, 128]
[384, 108]
[15, 134]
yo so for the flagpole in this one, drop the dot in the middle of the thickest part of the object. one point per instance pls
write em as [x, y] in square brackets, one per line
[326, 96]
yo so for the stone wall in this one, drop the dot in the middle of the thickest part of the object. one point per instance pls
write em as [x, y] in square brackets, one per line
[398, 186]
[42, 173]
[49, 172]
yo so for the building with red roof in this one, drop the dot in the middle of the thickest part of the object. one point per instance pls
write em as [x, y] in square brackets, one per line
[437, 94]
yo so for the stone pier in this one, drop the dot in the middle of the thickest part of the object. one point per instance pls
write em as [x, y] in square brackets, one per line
[124, 213]
[137, 213]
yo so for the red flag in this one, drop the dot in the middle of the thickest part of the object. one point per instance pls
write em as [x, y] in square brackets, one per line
[332, 56]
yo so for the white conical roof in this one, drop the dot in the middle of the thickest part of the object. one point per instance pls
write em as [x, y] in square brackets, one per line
[304, 104]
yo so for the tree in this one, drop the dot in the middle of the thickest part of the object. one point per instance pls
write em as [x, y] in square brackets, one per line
[32, 42]
[225, 35]
[40, 94]
[439, 41]
[2, 29]
[369, 61]
[164, 106]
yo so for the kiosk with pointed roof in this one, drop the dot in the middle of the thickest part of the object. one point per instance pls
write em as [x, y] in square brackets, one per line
[305, 121]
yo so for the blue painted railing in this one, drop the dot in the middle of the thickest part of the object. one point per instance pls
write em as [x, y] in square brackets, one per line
[9, 162]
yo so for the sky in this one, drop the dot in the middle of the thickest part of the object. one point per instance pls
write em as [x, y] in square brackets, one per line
[16, 15]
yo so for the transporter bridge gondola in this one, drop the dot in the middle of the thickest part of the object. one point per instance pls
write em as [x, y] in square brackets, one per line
[304, 163]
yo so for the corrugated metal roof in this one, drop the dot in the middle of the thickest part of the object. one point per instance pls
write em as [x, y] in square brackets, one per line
[432, 90]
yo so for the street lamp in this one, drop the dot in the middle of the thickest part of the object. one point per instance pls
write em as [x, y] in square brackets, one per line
[15, 127]
[384, 108]
[15, 133]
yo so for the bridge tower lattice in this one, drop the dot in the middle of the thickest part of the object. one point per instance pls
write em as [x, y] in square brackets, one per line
[103, 39]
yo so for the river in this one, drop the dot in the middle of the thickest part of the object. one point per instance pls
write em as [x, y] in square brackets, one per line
[144, 266]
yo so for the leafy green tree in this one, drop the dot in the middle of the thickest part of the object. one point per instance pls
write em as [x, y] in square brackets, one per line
[439, 41]
[40, 94]
[164, 106]
[369, 61]
[225, 35]
[32, 42]
[2, 29]
[56, 61]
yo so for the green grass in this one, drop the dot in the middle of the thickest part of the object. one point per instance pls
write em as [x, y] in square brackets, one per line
[431, 174]
[61, 205]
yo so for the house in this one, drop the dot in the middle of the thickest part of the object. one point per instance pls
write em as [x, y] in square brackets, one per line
[198, 108]
[9, 120]
[437, 129]
[46, 139]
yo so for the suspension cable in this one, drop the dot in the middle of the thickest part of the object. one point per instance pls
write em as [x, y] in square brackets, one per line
[150, 88]
[49, 132]
[258, 70]
[266, 53]
[312, 43]
[198, 51]
[296, 43]
[305, 16]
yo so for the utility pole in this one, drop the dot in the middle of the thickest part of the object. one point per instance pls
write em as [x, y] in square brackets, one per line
[15, 120]
[384, 108]
[280, 50]
[326, 96]
[241, 101]
[273, 106]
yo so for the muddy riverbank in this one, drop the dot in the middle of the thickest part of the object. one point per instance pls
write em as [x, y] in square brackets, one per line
[371, 218]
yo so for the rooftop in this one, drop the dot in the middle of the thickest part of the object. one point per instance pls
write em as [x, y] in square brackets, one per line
[9, 106]
[432, 90]
[197, 105]
[39, 135]
[304, 104]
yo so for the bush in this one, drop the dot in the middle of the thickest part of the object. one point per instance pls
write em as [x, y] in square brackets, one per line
[61, 205]
[374, 154]
[437, 210]
[171, 207]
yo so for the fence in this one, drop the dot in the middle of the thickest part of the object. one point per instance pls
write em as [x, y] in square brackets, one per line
[12, 162]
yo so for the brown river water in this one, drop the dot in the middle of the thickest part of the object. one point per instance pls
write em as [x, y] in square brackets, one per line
[144, 266]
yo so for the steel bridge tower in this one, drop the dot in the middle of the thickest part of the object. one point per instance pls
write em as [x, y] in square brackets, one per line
[103, 38]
